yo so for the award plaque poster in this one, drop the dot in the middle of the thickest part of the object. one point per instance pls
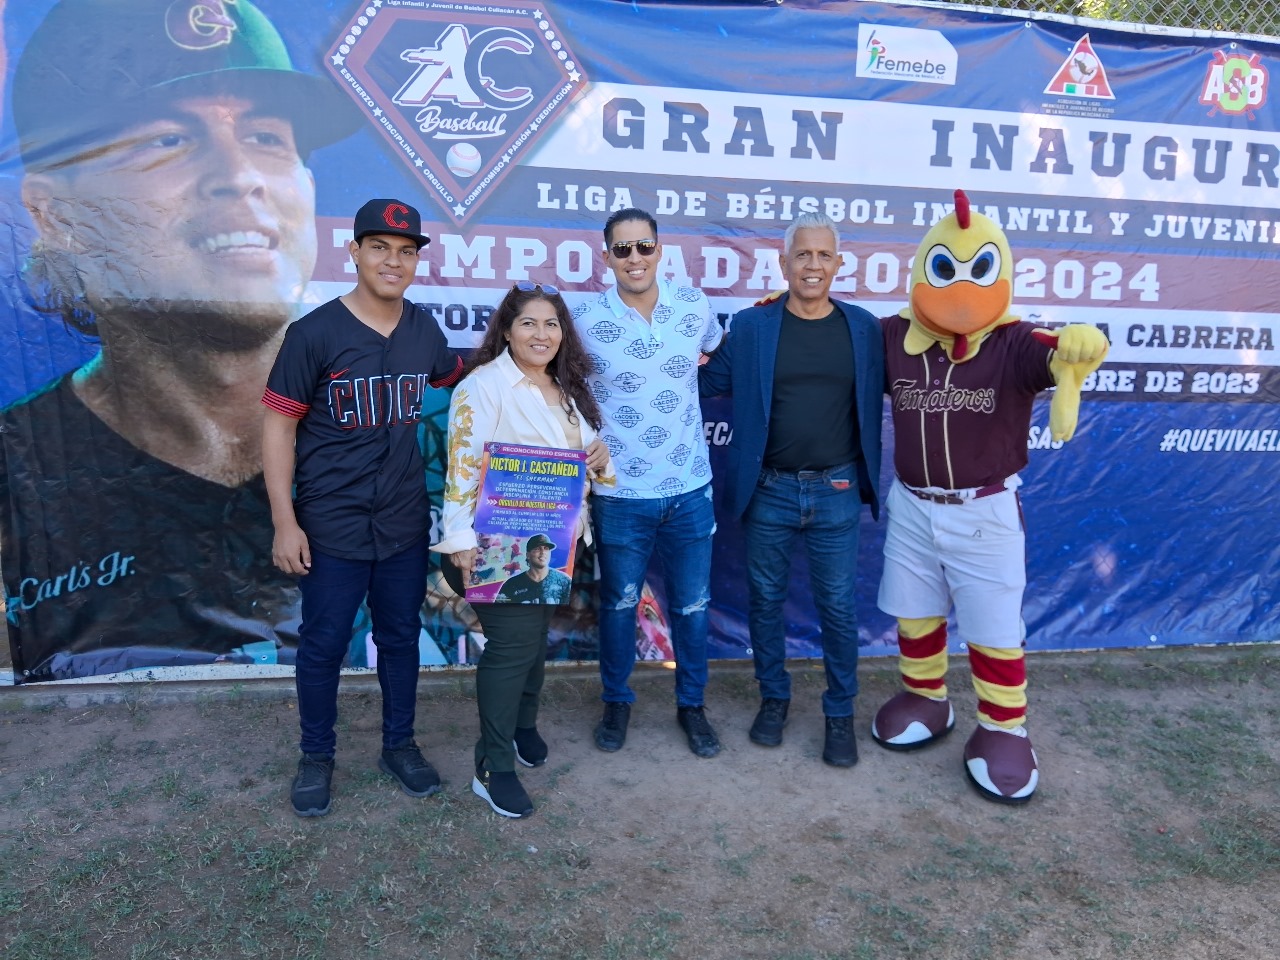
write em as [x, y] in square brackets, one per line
[529, 498]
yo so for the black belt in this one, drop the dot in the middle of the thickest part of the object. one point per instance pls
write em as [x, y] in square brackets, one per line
[809, 474]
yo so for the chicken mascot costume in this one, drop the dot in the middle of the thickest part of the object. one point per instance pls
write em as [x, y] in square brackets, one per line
[962, 375]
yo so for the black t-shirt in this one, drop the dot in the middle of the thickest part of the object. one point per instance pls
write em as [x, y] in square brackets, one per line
[105, 547]
[813, 421]
[360, 489]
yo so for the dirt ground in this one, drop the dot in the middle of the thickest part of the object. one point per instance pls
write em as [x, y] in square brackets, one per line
[153, 821]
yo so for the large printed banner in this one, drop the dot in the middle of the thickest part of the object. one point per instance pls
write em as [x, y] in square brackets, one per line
[178, 180]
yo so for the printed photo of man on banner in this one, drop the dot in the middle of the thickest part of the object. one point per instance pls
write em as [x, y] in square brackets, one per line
[164, 149]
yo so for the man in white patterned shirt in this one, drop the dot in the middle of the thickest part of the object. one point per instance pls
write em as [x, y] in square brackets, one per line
[644, 337]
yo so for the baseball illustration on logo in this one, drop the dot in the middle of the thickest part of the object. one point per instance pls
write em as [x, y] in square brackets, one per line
[1083, 68]
[463, 160]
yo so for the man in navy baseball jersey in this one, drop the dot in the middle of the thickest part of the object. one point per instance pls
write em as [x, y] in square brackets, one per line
[807, 377]
[344, 400]
[645, 336]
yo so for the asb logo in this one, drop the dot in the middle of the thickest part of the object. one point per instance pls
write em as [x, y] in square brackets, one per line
[458, 90]
[1234, 84]
[905, 53]
[1081, 74]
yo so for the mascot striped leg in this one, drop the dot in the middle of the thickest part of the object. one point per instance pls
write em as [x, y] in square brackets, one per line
[1000, 681]
[922, 713]
[998, 757]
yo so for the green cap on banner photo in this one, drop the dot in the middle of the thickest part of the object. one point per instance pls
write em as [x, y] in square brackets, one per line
[93, 67]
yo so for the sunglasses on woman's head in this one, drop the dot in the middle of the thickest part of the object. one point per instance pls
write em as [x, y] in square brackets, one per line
[622, 249]
[528, 286]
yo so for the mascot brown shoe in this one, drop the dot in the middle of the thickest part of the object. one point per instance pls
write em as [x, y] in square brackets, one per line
[909, 721]
[1001, 764]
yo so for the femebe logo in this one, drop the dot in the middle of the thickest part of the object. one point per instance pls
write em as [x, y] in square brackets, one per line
[905, 53]
[1234, 84]
[458, 90]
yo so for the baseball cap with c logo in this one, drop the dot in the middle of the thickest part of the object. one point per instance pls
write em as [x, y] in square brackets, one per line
[394, 217]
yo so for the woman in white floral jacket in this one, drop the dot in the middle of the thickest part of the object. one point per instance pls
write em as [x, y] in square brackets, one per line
[527, 385]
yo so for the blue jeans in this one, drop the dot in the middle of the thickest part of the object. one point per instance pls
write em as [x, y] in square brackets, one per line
[331, 595]
[628, 531]
[783, 505]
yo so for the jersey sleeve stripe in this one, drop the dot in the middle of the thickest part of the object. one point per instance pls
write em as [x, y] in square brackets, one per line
[449, 379]
[282, 404]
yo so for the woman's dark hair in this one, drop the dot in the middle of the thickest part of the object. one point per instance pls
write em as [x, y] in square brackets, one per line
[568, 368]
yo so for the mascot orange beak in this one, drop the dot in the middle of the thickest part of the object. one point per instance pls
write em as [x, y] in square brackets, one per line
[961, 308]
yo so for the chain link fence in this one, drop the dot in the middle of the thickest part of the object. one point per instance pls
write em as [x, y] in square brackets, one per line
[1219, 16]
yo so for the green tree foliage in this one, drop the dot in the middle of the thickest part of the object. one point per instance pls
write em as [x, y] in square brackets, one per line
[1220, 16]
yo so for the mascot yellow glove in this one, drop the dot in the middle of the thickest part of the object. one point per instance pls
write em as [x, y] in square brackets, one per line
[1080, 351]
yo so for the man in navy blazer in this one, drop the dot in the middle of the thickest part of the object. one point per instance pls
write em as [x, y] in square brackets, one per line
[806, 374]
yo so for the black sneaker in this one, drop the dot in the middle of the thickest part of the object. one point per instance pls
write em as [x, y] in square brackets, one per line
[503, 792]
[771, 718]
[531, 749]
[611, 731]
[839, 748]
[702, 739]
[406, 763]
[310, 793]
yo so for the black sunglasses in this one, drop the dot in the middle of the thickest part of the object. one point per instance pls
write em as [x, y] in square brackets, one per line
[622, 248]
[528, 286]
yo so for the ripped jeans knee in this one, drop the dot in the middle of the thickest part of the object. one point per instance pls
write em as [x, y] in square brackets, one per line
[698, 606]
[629, 599]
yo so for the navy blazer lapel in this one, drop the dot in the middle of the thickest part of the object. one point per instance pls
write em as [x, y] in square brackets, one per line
[858, 334]
[770, 331]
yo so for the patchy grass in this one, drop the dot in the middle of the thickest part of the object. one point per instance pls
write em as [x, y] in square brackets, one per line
[158, 828]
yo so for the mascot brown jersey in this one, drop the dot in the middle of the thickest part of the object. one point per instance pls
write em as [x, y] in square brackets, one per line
[962, 374]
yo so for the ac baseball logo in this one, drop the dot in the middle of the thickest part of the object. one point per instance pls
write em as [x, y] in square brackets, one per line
[199, 24]
[391, 216]
[459, 91]
[453, 70]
